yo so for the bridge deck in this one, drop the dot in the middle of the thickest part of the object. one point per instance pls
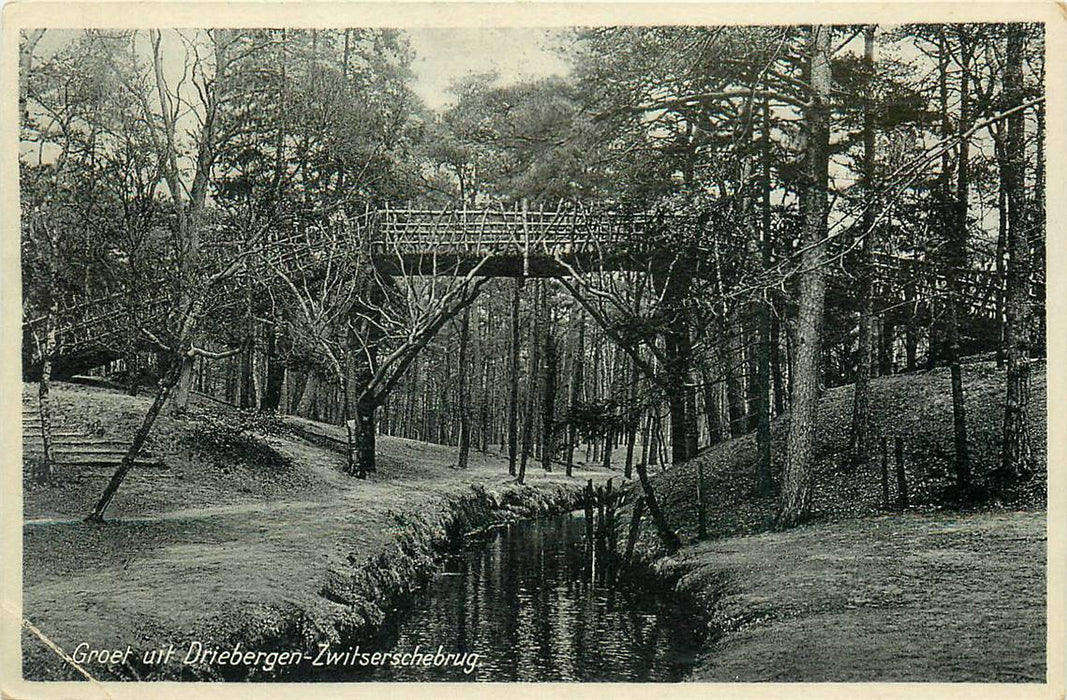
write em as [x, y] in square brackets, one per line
[504, 242]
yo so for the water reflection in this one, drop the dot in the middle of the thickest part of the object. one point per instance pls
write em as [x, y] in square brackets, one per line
[523, 602]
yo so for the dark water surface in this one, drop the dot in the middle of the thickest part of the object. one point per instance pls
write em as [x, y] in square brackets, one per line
[522, 600]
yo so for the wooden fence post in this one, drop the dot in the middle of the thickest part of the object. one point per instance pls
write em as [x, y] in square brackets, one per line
[902, 482]
[885, 472]
[635, 524]
[589, 520]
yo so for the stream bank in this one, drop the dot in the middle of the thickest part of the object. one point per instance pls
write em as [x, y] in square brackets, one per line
[916, 597]
[357, 598]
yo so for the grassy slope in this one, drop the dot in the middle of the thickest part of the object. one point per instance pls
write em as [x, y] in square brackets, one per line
[915, 406]
[860, 595]
[210, 542]
[889, 598]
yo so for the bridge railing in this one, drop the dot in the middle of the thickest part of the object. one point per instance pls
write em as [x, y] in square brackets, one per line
[500, 231]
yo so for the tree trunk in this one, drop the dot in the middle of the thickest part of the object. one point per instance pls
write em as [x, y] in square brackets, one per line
[764, 474]
[306, 404]
[1002, 250]
[632, 418]
[1037, 262]
[44, 401]
[797, 479]
[183, 386]
[714, 402]
[957, 253]
[48, 350]
[577, 379]
[513, 379]
[887, 329]
[531, 382]
[464, 390]
[777, 370]
[902, 478]
[486, 392]
[861, 398]
[272, 390]
[734, 358]
[166, 384]
[361, 437]
[548, 406]
[678, 350]
[247, 394]
[667, 536]
[692, 429]
[1015, 457]
[702, 511]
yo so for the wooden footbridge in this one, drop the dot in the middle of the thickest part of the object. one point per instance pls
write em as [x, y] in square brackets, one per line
[495, 242]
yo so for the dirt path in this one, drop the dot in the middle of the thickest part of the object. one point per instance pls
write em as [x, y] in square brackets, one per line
[192, 513]
[894, 598]
[193, 553]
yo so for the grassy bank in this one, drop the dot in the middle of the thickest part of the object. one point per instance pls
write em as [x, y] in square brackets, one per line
[283, 548]
[861, 593]
[893, 598]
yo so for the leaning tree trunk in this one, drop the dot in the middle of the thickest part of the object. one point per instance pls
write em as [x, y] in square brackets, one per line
[180, 369]
[1015, 456]
[166, 384]
[797, 479]
[667, 536]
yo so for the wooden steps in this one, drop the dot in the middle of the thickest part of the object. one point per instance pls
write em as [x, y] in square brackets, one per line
[72, 448]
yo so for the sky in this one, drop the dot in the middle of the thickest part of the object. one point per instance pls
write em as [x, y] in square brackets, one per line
[515, 53]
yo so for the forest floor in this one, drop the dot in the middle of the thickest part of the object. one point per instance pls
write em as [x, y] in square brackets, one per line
[861, 592]
[238, 524]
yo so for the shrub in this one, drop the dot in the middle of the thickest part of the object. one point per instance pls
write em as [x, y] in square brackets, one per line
[238, 438]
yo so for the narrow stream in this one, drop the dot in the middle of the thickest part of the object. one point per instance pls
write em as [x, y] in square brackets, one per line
[523, 602]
